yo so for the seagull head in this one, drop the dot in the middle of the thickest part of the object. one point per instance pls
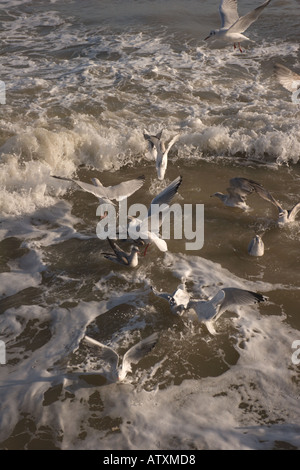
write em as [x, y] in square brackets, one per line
[283, 217]
[219, 195]
[212, 33]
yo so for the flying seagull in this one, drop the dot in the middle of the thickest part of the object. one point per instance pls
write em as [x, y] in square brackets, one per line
[149, 137]
[239, 190]
[160, 151]
[120, 256]
[287, 78]
[148, 234]
[232, 26]
[118, 371]
[178, 300]
[109, 193]
[256, 246]
[209, 311]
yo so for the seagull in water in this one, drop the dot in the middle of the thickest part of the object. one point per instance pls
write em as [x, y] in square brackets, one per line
[285, 216]
[239, 190]
[159, 208]
[178, 300]
[121, 257]
[232, 26]
[256, 246]
[209, 311]
[287, 78]
[160, 151]
[109, 193]
[132, 356]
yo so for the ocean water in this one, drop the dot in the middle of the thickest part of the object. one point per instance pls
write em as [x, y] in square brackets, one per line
[83, 80]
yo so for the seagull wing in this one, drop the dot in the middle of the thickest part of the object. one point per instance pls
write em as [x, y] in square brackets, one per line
[104, 352]
[244, 22]
[120, 254]
[286, 77]
[294, 211]
[125, 189]
[165, 196]
[228, 12]
[139, 350]
[234, 297]
[245, 186]
[159, 242]
[96, 189]
[172, 142]
[263, 193]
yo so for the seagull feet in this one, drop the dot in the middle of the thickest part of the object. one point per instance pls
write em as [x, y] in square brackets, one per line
[241, 50]
[234, 46]
[147, 246]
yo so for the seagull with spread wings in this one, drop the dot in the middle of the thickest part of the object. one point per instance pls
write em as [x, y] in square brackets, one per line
[161, 151]
[208, 311]
[119, 369]
[232, 25]
[289, 79]
[239, 190]
[146, 228]
[107, 194]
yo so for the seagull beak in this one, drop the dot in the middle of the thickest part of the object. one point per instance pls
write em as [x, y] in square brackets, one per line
[205, 39]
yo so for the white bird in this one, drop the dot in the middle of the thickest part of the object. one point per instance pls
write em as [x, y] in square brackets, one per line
[149, 138]
[287, 78]
[132, 356]
[109, 193]
[120, 256]
[239, 190]
[148, 233]
[285, 216]
[232, 26]
[178, 300]
[209, 311]
[161, 152]
[256, 246]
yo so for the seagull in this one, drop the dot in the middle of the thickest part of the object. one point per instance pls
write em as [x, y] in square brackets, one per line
[232, 26]
[285, 216]
[238, 191]
[109, 193]
[121, 257]
[132, 356]
[159, 148]
[159, 203]
[287, 78]
[256, 246]
[149, 138]
[178, 300]
[210, 310]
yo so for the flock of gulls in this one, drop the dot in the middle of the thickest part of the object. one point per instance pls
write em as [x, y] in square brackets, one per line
[180, 301]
